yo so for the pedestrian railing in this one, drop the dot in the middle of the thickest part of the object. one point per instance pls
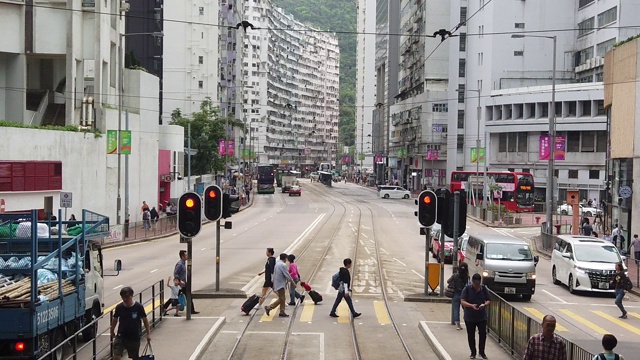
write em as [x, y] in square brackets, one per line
[512, 329]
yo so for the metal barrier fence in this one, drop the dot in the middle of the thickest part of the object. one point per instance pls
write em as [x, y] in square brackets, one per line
[140, 230]
[152, 295]
[513, 328]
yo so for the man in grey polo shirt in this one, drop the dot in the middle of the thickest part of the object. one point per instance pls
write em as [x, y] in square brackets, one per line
[280, 278]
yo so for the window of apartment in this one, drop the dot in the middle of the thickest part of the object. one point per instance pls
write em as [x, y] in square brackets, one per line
[444, 107]
[200, 84]
[601, 141]
[519, 25]
[463, 42]
[600, 104]
[460, 119]
[585, 79]
[200, 60]
[586, 26]
[526, 170]
[461, 67]
[608, 16]
[201, 10]
[588, 143]
[573, 174]
[582, 3]
[522, 141]
[461, 93]
[603, 47]
[585, 108]
[518, 53]
[502, 142]
[584, 55]
[512, 142]
[594, 174]
[460, 143]
[463, 14]
[573, 141]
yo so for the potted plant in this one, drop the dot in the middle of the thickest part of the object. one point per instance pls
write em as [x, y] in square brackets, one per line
[508, 217]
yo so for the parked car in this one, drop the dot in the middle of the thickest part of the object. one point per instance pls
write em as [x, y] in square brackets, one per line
[295, 190]
[394, 192]
[567, 209]
[462, 245]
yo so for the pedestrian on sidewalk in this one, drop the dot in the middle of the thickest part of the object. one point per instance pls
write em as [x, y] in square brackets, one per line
[546, 345]
[475, 299]
[344, 291]
[609, 342]
[460, 280]
[173, 302]
[621, 283]
[636, 248]
[180, 271]
[269, 267]
[146, 219]
[154, 216]
[280, 279]
[295, 275]
[127, 316]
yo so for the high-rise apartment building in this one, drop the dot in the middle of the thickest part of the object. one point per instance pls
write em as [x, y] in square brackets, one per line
[365, 82]
[190, 55]
[290, 88]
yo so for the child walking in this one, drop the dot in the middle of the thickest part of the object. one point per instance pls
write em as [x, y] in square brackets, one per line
[173, 301]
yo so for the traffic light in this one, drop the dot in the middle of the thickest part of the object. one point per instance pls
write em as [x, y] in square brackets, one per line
[189, 214]
[427, 208]
[213, 202]
[448, 216]
[226, 204]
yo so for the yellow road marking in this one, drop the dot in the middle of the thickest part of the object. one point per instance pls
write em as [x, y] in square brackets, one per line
[537, 314]
[617, 321]
[148, 308]
[343, 313]
[585, 322]
[381, 313]
[307, 312]
[272, 313]
[635, 315]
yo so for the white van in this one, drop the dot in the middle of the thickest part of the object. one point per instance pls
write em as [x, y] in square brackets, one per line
[506, 264]
[584, 263]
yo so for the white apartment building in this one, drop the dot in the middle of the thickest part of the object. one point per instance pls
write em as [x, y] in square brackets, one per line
[419, 116]
[290, 89]
[190, 55]
[511, 77]
[365, 82]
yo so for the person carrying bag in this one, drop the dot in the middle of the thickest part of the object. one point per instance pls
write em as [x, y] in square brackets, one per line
[456, 284]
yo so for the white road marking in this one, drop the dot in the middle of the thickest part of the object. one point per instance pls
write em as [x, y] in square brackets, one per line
[152, 271]
[321, 345]
[367, 250]
[403, 264]
[417, 273]
[118, 287]
[384, 251]
[365, 236]
[203, 249]
[555, 297]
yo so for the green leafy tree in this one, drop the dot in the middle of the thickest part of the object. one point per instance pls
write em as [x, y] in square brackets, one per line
[207, 128]
[339, 16]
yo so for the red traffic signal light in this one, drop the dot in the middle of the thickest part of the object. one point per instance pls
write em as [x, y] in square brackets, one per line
[189, 214]
[427, 208]
[213, 203]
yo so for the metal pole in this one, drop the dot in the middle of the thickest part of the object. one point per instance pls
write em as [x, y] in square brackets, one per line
[477, 150]
[218, 255]
[189, 156]
[120, 90]
[441, 263]
[552, 140]
[189, 287]
[126, 174]
[456, 221]
[426, 262]
[485, 189]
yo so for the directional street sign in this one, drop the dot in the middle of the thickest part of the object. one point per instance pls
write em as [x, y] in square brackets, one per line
[66, 200]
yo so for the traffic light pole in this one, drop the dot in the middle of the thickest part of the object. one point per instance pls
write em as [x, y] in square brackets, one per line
[426, 262]
[189, 287]
[218, 255]
[442, 263]
[456, 221]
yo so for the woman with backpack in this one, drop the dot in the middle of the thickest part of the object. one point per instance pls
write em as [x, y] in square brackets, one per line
[459, 281]
[622, 284]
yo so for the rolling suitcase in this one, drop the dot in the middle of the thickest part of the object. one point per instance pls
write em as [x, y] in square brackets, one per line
[251, 302]
[315, 296]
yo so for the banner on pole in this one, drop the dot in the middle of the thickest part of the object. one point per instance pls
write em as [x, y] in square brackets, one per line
[231, 147]
[474, 155]
[222, 148]
[125, 142]
[559, 146]
[112, 141]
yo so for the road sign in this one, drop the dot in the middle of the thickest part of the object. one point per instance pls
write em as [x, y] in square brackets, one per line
[625, 192]
[66, 200]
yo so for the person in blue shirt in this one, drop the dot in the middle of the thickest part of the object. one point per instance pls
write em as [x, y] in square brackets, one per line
[475, 299]
[280, 279]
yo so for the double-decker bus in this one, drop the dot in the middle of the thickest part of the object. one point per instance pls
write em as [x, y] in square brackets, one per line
[516, 192]
[266, 179]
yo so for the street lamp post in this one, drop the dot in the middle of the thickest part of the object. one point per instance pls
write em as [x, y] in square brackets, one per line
[120, 99]
[484, 165]
[552, 133]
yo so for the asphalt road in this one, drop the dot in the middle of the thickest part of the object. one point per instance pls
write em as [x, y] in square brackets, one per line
[287, 223]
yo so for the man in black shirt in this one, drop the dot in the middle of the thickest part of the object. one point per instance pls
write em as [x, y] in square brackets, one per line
[345, 290]
[474, 300]
[128, 313]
